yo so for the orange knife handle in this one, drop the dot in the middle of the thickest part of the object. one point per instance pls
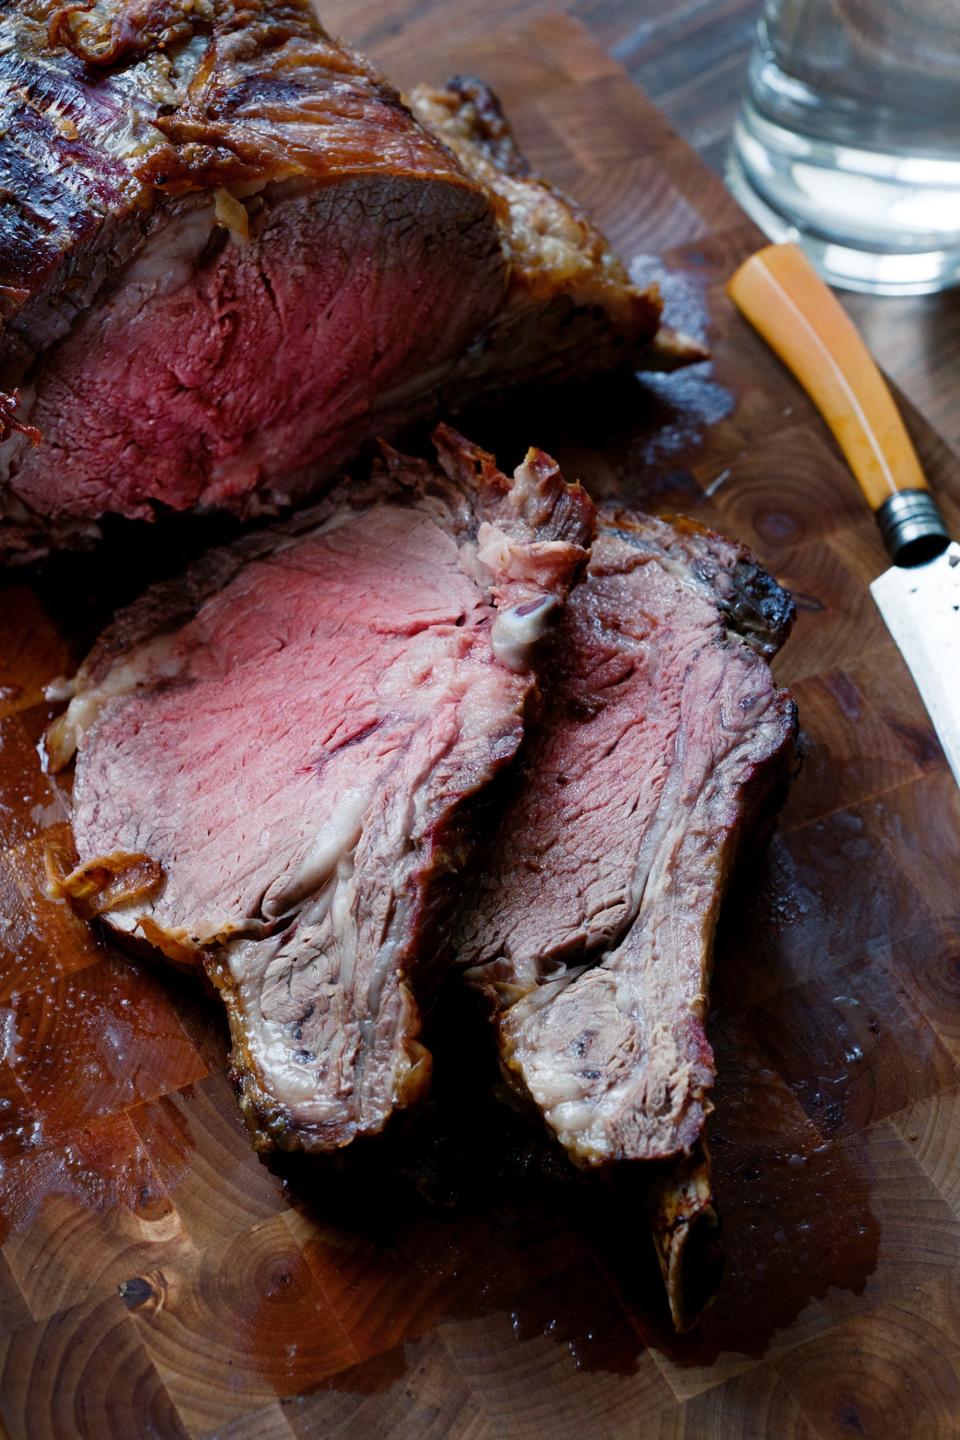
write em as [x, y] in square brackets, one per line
[784, 298]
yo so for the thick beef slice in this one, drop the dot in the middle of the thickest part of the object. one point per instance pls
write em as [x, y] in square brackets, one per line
[229, 255]
[591, 931]
[291, 734]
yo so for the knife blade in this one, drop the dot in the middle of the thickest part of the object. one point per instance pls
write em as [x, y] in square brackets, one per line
[920, 605]
[783, 297]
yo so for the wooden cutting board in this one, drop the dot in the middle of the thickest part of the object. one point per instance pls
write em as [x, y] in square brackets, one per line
[157, 1279]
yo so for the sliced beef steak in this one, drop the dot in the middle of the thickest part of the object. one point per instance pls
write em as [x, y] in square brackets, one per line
[229, 255]
[280, 746]
[664, 736]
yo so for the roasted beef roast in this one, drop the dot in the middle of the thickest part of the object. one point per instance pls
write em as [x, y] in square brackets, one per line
[275, 755]
[592, 916]
[230, 254]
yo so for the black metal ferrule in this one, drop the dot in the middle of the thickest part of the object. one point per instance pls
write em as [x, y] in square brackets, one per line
[912, 527]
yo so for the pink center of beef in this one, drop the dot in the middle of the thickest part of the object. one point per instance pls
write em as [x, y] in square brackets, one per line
[290, 696]
[596, 908]
[217, 368]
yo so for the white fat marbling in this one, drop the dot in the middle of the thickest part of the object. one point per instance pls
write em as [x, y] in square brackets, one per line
[169, 257]
[282, 1076]
[158, 659]
[60, 690]
[334, 841]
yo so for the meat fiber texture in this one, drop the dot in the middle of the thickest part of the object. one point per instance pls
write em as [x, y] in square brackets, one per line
[230, 255]
[664, 738]
[283, 745]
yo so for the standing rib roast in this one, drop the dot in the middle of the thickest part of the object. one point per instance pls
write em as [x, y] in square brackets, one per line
[230, 255]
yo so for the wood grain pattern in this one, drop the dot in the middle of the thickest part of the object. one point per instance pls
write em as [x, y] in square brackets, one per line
[157, 1279]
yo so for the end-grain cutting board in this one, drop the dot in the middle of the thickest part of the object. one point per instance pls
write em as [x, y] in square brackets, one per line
[157, 1279]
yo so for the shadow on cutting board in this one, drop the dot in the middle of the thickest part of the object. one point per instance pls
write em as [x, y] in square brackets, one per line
[487, 1215]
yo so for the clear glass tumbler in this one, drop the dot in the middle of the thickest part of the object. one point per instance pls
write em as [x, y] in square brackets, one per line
[848, 139]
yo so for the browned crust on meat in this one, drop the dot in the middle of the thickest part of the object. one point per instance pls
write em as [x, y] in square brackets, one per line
[756, 608]
[552, 245]
[571, 308]
[104, 883]
[213, 93]
[107, 34]
[318, 109]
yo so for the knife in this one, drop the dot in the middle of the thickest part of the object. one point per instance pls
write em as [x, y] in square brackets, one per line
[783, 297]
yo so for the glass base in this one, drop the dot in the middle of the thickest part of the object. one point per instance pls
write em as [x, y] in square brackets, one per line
[883, 224]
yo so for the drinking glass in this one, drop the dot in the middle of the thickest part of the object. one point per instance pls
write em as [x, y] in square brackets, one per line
[848, 139]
